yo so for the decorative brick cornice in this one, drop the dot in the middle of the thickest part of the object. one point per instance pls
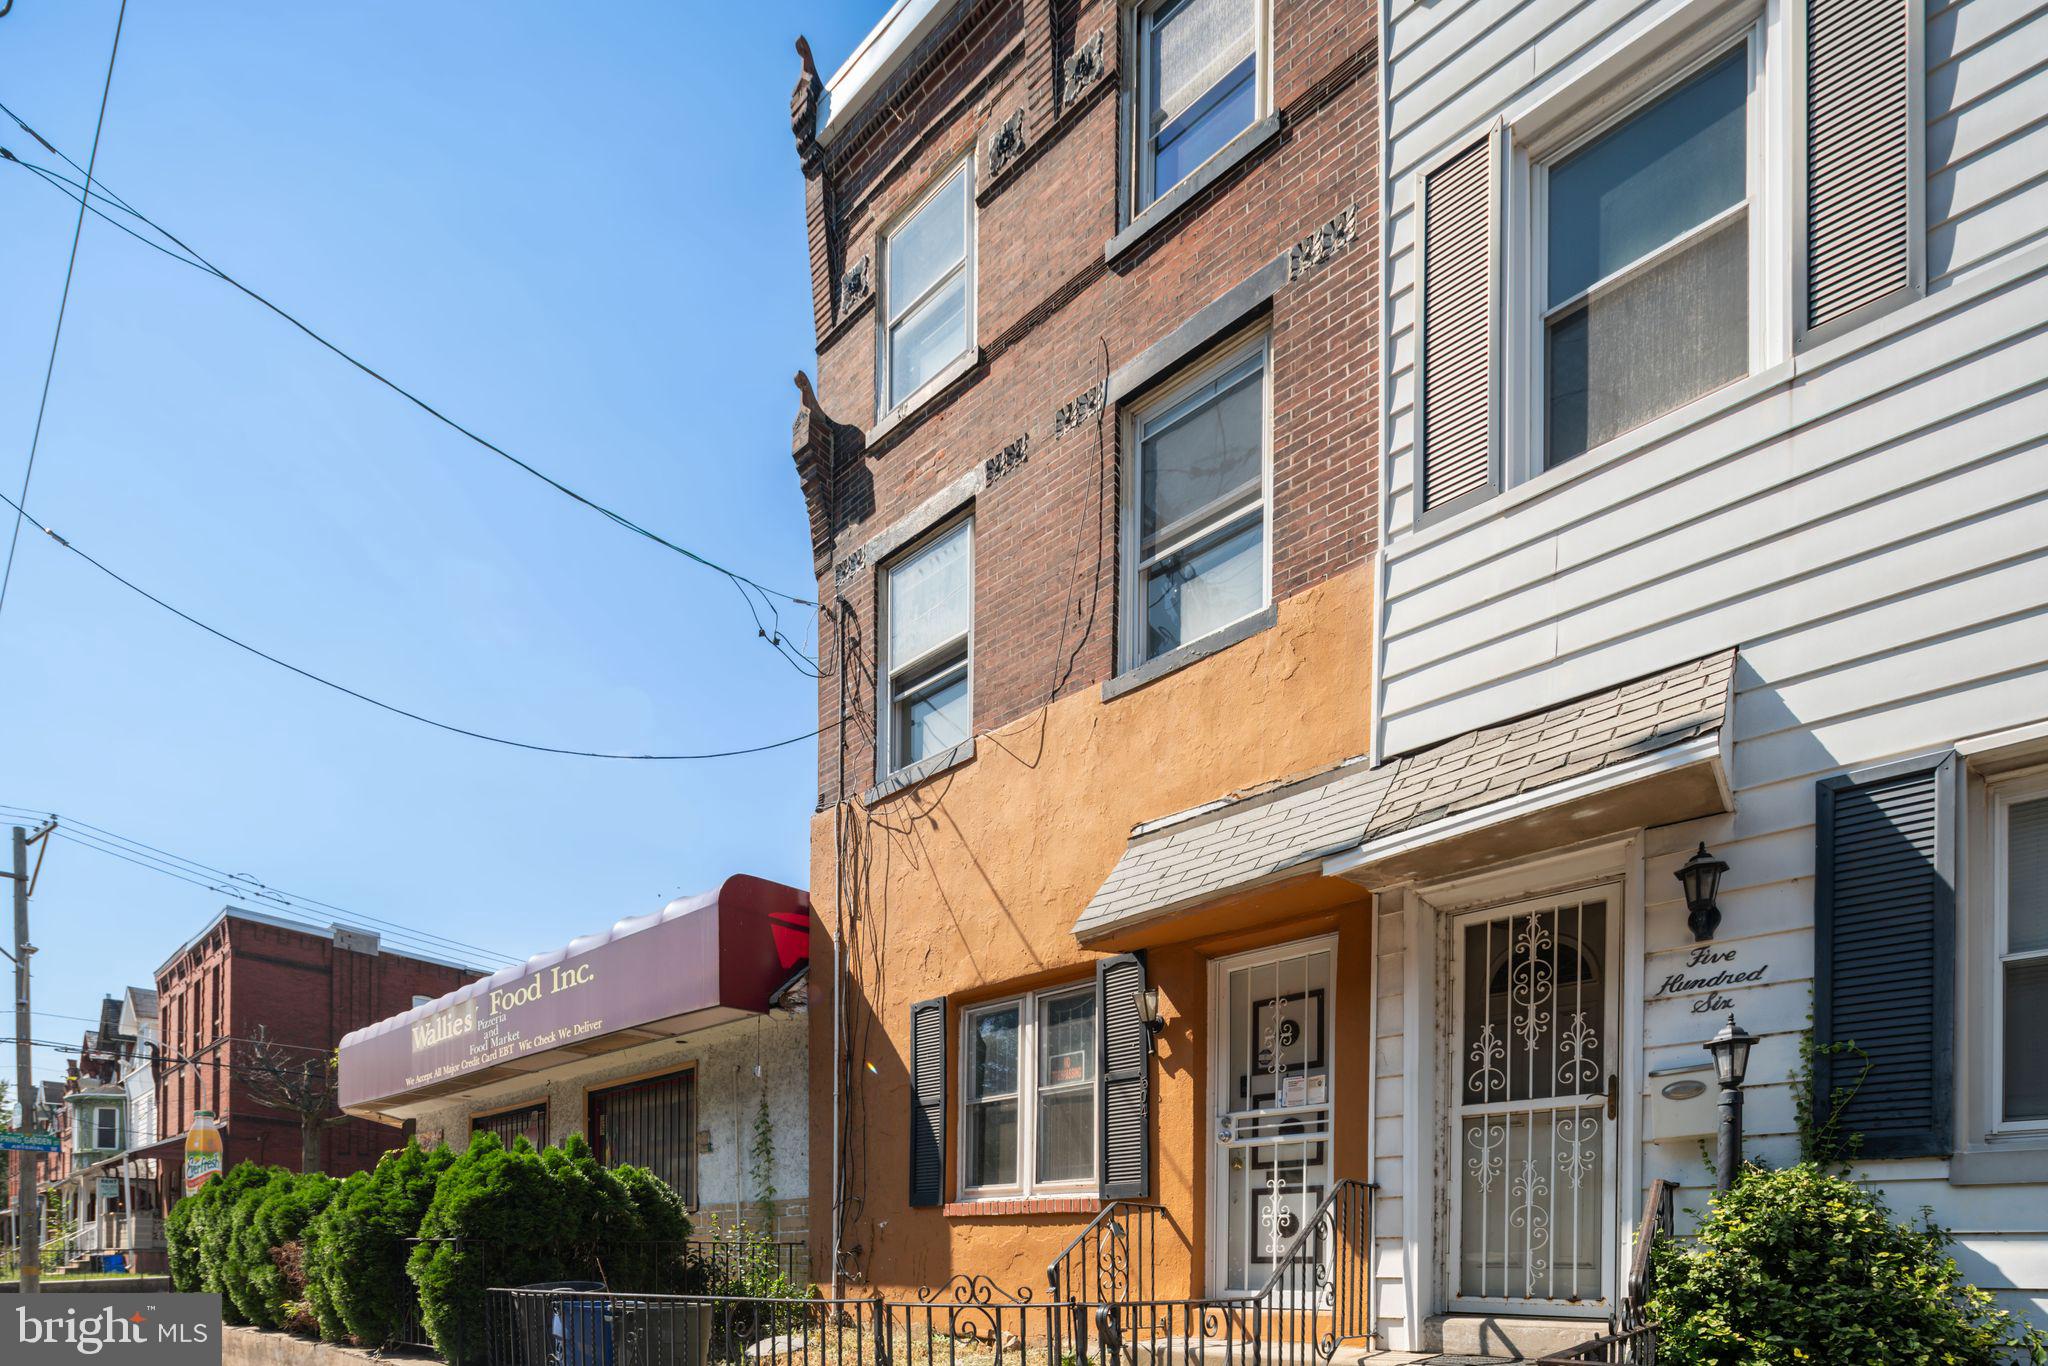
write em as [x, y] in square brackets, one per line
[803, 110]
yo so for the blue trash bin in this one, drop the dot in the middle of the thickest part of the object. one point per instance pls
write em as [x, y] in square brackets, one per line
[579, 1328]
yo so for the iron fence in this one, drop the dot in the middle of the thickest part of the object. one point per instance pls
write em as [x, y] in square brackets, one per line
[1113, 1259]
[1317, 1297]
[734, 1257]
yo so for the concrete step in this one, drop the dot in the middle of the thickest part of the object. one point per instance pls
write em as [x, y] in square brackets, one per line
[1494, 1337]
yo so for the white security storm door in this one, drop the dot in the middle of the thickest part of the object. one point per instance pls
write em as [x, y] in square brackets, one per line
[1274, 1080]
[1532, 1131]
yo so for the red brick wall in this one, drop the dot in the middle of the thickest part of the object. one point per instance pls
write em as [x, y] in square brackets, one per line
[1053, 319]
[302, 990]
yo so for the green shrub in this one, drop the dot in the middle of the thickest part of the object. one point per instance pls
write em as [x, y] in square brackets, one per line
[270, 1253]
[356, 1248]
[232, 1251]
[1801, 1266]
[199, 1231]
[511, 1216]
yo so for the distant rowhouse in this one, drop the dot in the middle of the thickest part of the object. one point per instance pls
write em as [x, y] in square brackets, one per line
[674, 1041]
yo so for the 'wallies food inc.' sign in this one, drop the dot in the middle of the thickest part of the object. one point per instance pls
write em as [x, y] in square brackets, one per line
[519, 1017]
[697, 962]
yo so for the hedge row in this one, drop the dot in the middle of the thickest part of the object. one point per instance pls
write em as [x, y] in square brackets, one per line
[312, 1254]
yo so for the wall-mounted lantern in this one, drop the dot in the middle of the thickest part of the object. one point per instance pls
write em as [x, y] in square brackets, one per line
[1701, 878]
[1148, 1011]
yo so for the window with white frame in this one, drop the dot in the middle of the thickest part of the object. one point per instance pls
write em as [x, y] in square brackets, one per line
[928, 289]
[1198, 85]
[928, 625]
[1196, 517]
[106, 1128]
[1645, 244]
[1028, 1104]
[2020, 983]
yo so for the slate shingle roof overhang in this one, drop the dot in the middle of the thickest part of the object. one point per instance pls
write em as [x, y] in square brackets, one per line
[1648, 752]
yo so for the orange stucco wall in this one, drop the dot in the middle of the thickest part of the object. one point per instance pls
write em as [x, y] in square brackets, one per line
[967, 887]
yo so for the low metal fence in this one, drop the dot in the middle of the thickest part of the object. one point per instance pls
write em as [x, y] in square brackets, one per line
[1316, 1298]
[737, 1256]
[1113, 1259]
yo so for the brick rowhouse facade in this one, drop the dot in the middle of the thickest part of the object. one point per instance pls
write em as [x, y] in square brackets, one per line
[964, 887]
[306, 988]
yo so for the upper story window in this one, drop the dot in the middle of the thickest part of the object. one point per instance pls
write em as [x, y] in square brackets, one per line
[106, 1133]
[1647, 272]
[1198, 85]
[928, 289]
[927, 629]
[1196, 520]
[1029, 1103]
[2020, 940]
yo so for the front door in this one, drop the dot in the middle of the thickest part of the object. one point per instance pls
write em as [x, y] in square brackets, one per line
[1532, 1133]
[1274, 1082]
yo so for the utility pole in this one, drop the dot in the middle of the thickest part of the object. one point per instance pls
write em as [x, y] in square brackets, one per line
[28, 1234]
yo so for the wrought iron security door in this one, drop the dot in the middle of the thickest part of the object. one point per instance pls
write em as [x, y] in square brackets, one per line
[1275, 1091]
[1532, 1131]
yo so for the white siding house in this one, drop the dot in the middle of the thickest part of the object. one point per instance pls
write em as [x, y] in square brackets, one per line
[1762, 331]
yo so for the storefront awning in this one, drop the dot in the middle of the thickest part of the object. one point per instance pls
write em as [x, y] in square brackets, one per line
[1650, 752]
[697, 962]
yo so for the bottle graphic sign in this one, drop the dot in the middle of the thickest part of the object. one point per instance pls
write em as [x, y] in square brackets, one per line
[202, 1151]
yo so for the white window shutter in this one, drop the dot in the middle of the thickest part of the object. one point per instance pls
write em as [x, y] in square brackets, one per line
[1859, 145]
[1460, 438]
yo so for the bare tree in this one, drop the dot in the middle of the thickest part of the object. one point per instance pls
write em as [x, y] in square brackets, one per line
[302, 1082]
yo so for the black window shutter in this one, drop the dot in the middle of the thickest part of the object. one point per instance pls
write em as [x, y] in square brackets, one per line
[927, 1102]
[1123, 1097]
[1884, 954]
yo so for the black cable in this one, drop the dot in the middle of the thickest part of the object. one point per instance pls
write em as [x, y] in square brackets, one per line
[63, 303]
[73, 190]
[256, 886]
[395, 710]
[403, 942]
[98, 187]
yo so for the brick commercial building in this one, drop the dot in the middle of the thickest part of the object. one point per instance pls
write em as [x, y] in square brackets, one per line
[1092, 472]
[302, 986]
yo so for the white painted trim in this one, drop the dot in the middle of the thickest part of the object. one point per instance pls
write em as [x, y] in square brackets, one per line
[874, 60]
[891, 408]
[2004, 796]
[885, 676]
[1219, 1069]
[1997, 740]
[1701, 749]
[1231, 351]
[1026, 1186]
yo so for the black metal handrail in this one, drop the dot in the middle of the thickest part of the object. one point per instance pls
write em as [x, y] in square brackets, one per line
[1114, 1258]
[1632, 1336]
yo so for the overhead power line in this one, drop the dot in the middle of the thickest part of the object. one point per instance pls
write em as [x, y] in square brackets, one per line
[92, 187]
[244, 888]
[394, 709]
[63, 303]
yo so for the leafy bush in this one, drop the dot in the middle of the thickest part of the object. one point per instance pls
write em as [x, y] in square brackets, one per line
[1802, 1266]
[356, 1247]
[199, 1230]
[234, 1268]
[511, 1216]
[270, 1253]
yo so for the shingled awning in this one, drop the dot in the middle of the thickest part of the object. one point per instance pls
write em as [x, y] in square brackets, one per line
[1648, 752]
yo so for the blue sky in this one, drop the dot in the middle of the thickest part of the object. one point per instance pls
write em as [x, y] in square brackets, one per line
[578, 229]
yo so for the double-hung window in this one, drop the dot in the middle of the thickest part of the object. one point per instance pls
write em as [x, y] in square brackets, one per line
[928, 623]
[1029, 1103]
[2020, 984]
[928, 289]
[1198, 85]
[106, 1129]
[1647, 262]
[1196, 523]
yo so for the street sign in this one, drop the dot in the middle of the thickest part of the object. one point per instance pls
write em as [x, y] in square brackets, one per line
[14, 1140]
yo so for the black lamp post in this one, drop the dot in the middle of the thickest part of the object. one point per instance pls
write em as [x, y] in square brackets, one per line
[1731, 1062]
[1701, 877]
